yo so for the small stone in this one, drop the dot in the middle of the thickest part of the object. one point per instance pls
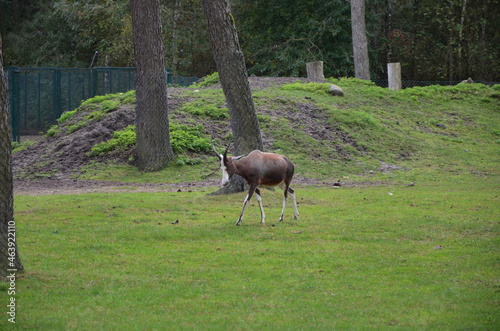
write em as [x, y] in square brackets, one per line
[336, 90]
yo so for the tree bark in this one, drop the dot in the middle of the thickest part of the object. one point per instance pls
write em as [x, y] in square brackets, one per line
[9, 254]
[359, 41]
[153, 148]
[233, 76]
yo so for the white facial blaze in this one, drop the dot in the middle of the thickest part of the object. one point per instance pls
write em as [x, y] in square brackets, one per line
[225, 175]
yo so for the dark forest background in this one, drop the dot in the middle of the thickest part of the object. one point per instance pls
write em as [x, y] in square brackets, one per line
[446, 40]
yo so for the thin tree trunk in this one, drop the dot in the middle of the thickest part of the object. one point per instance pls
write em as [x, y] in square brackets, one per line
[388, 30]
[460, 39]
[481, 73]
[153, 148]
[174, 45]
[450, 48]
[9, 254]
[359, 41]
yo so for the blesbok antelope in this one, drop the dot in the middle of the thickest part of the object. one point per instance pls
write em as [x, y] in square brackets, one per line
[259, 168]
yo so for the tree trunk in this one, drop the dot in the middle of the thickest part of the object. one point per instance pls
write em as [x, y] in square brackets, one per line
[359, 41]
[153, 148]
[233, 76]
[461, 73]
[481, 73]
[9, 255]
[175, 35]
[388, 30]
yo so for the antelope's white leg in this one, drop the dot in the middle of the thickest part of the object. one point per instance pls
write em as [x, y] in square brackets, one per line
[262, 214]
[283, 210]
[294, 205]
[283, 187]
[243, 210]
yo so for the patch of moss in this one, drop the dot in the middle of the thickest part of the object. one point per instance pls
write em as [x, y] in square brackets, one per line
[209, 110]
[121, 140]
[67, 115]
[183, 138]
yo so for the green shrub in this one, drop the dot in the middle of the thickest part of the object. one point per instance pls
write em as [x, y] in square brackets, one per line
[67, 115]
[54, 129]
[182, 138]
[208, 80]
[98, 99]
[188, 138]
[110, 105]
[128, 97]
[181, 160]
[76, 127]
[110, 102]
[121, 140]
[95, 115]
[16, 146]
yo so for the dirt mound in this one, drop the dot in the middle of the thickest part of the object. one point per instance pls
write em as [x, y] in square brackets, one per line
[63, 153]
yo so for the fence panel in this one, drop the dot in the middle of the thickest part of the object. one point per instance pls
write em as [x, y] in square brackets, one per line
[38, 96]
[31, 98]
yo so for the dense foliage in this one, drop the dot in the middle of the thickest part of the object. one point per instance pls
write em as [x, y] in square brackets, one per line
[279, 37]
[434, 40]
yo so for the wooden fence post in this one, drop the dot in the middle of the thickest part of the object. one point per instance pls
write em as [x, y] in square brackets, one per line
[315, 71]
[394, 76]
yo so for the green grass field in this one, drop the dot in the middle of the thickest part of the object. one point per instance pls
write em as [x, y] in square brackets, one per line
[373, 257]
[374, 254]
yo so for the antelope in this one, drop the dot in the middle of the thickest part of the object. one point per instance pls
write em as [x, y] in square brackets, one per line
[259, 168]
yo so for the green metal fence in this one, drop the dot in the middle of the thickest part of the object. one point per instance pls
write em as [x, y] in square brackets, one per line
[38, 96]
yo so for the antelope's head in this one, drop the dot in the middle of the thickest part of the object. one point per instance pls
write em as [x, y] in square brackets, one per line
[224, 163]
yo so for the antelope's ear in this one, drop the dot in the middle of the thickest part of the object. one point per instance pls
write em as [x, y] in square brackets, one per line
[236, 158]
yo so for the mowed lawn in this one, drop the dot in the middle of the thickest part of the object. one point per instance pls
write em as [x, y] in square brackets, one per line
[372, 257]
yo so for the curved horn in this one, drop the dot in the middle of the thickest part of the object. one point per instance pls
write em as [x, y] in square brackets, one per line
[215, 150]
[224, 157]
